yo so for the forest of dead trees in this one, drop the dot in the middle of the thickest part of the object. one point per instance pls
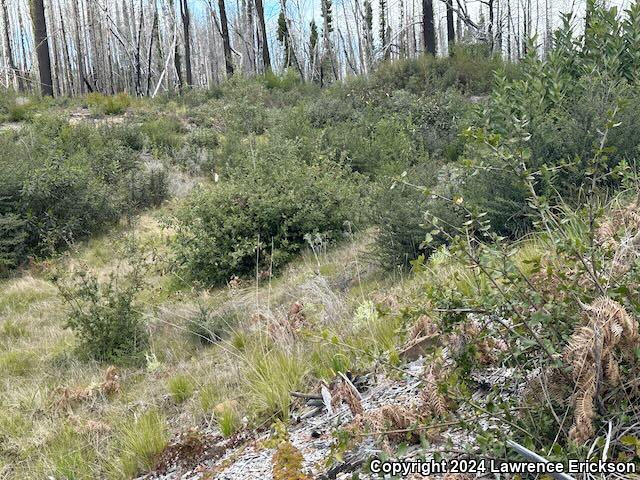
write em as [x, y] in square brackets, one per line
[142, 47]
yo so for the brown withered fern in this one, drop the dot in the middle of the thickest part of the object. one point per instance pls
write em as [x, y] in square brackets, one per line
[67, 397]
[344, 391]
[472, 332]
[622, 219]
[393, 423]
[620, 233]
[423, 327]
[433, 401]
[594, 350]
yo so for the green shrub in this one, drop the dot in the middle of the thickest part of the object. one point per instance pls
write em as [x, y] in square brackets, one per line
[244, 116]
[287, 81]
[108, 104]
[381, 148]
[399, 213]
[145, 187]
[103, 315]
[164, 133]
[469, 69]
[263, 212]
[180, 388]
[61, 183]
[502, 197]
[17, 107]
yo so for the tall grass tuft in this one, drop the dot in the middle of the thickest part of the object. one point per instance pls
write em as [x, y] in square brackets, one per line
[141, 442]
[270, 376]
[180, 388]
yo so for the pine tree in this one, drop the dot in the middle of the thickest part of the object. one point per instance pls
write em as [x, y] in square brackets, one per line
[327, 54]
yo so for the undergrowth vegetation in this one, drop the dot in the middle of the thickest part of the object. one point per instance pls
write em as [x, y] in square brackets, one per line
[301, 237]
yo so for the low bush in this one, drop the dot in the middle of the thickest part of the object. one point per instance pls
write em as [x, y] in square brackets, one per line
[17, 108]
[261, 213]
[108, 104]
[103, 315]
[378, 149]
[399, 212]
[164, 133]
[469, 69]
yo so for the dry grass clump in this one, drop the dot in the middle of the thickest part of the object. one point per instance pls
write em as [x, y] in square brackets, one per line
[594, 352]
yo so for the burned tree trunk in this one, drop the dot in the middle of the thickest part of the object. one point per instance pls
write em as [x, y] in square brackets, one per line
[42, 46]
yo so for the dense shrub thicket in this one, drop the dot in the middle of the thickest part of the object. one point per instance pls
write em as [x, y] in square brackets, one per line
[377, 127]
[65, 182]
[60, 183]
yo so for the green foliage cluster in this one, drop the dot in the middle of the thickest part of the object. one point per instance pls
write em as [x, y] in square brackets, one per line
[378, 127]
[15, 107]
[141, 442]
[556, 110]
[546, 156]
[108, 104]
[469, 69]
[104, 316]
[180, 388]
[261, 213]
[60, 183]
[164, 133]
[548, 114]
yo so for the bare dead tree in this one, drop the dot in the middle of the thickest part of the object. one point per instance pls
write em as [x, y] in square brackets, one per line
[186, 27]
[428, 27]
[42, 46]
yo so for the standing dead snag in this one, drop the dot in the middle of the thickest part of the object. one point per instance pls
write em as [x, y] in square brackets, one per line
[42, 46]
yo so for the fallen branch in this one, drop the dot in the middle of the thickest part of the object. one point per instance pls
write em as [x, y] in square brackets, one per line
[305, 396]
[534, 457]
